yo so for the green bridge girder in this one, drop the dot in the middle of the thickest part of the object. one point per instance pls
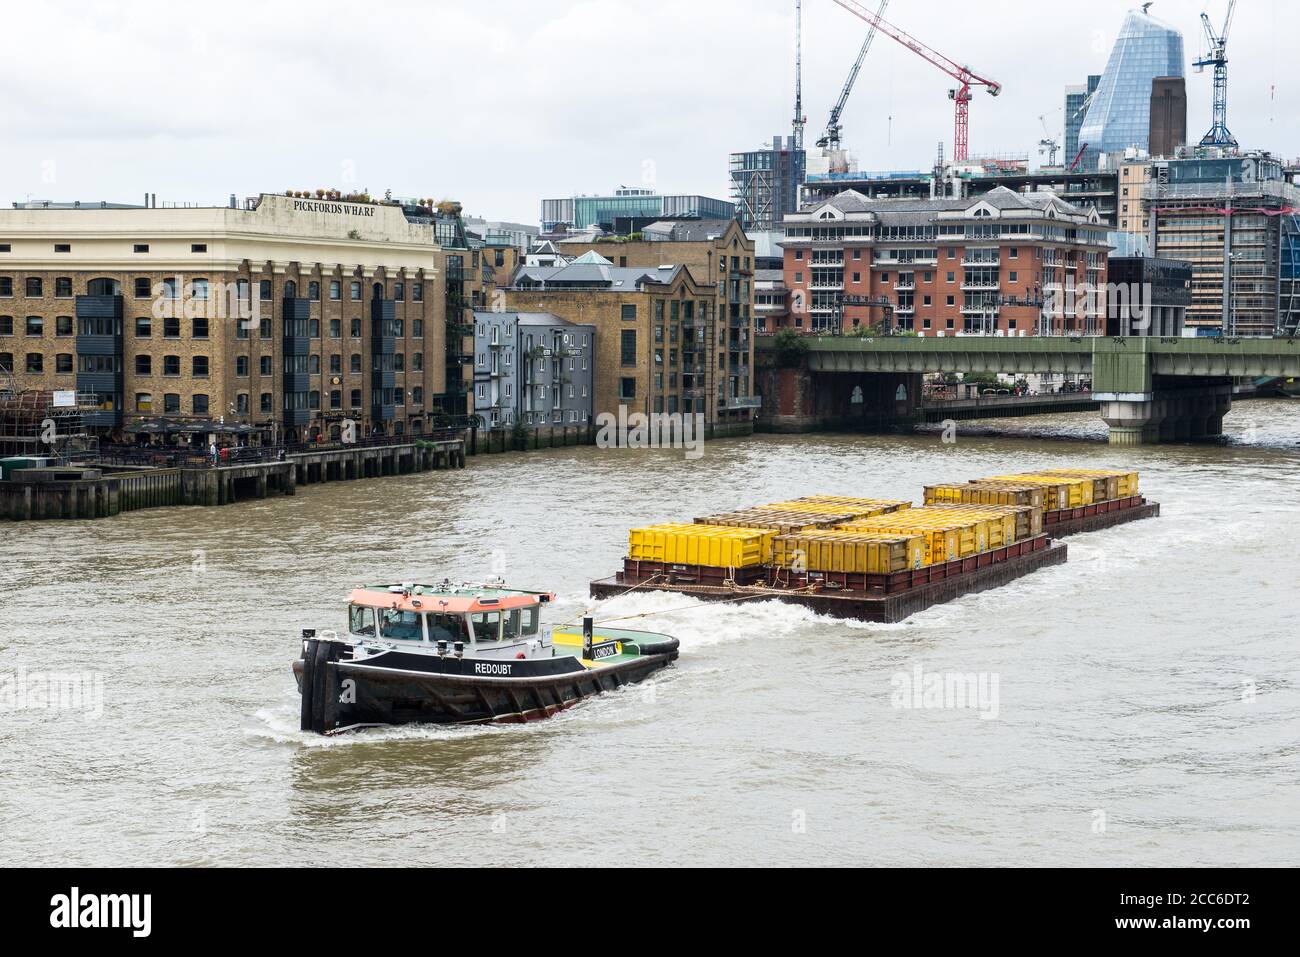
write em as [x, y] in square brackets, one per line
[1121, 366]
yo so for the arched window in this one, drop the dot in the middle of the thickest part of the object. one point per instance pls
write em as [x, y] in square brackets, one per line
[104, 287]
[290, 290]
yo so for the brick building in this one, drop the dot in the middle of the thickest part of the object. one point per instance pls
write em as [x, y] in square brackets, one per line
[1003, 263]
[289, 315]
[662, 341]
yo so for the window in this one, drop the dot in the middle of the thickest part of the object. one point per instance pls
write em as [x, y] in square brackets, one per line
[1013, 253]
[241, 403]
[172, 365]
[241, 366]
[335, 289]
[171, 328]
[264, 402]
[264, 290]
[35, 326]
[35, 362]
[399, 291]
[313, 328]
[417, 328]
[63, 326]
[140, 248]
[172, 402]
[629, 347]
[313, 291]
[627, 389]
[33, 288]
[629, 311]
[952, 277]
[417, 291]
[143, 288]
[417, 361]
[354, 400]
[264, 365]
[144, 365]
[356, 329]
[417, 395]
[1012, 275]
[6, 361]
[143, 402]
[63, 363]
[313, 365]
[354, 362]
[798, 277]
[143, 327]
[355, 291]
[336, 328]
[62, 248]
[313, 399]
[336, 399]
[336, 363]
[6, 286]
[200, 404]
[200, 328]
[63, 287]
[198, 248]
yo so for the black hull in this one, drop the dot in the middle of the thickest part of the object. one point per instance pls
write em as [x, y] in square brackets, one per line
[337, 695]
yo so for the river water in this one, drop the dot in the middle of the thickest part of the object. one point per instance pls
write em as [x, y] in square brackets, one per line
[1142, 702]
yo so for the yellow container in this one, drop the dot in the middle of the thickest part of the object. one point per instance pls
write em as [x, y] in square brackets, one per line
[823, 550]
[719, 546]
[1063, 491]
[1119, 484]
[986, 493]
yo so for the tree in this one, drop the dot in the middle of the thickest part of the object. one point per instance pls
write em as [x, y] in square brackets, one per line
[790, 348]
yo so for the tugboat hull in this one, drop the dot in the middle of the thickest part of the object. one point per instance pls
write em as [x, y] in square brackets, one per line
[338, 694]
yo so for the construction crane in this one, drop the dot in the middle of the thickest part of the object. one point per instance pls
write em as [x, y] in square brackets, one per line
[1217, 57]
[1048, 144]
[799, 118]
[964, 75]
[1078, 156]
[830, 140]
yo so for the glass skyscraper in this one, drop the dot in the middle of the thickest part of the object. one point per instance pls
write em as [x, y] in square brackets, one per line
[1120, 113]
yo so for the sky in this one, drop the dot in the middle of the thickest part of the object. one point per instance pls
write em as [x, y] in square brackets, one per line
[499, 104]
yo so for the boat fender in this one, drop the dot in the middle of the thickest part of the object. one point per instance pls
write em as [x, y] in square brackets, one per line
[521, 657]
[324, 690]
[668, 647]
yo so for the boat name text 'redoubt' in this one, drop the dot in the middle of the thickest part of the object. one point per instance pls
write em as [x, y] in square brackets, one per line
[483, 668]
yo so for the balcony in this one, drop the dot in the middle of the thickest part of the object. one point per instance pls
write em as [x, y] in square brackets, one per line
[981, 286]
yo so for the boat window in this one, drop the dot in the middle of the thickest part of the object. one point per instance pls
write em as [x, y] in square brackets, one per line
[448, 628]
[487, 625]
[401, 625]
[510, 629]
[361, 620]
[530, 616]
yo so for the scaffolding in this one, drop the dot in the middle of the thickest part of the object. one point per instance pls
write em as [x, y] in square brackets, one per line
[44, 424]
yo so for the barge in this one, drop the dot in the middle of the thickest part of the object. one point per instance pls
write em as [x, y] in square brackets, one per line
[877, 560]
[862, 596]
[461, 654]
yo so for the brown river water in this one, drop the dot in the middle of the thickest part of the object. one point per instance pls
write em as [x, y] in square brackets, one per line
[1141, 706]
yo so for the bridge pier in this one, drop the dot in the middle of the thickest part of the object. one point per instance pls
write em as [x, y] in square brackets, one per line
[1186, 415]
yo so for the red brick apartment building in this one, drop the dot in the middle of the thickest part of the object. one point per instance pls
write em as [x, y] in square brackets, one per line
[1004, 263]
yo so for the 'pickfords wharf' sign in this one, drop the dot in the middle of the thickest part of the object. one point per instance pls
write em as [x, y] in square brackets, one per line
[345, 209]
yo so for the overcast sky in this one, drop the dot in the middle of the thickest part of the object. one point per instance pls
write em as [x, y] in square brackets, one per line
[499, 104]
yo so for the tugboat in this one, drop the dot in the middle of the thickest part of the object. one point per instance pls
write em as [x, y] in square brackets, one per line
[461, 654]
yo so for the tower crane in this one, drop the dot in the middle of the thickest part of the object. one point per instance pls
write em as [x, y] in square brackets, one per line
[968, 78]
[799, 118]
[1217, 57]
[1048, 144]
[830, 140]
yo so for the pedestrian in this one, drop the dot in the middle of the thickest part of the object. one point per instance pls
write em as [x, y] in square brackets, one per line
[212, 451]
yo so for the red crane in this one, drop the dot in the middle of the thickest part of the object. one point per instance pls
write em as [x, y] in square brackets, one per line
[962, 74]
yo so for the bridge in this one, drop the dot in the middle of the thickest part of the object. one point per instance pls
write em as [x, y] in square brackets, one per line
[1006, 406]
[1147, 389]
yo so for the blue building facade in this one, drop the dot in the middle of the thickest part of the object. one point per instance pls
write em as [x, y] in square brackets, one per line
[1119, 115]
